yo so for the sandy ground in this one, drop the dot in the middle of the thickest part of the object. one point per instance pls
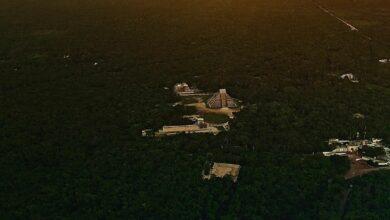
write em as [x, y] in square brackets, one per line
[222, 169]
[201, 106]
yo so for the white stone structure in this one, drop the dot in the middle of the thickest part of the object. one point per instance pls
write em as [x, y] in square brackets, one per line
[198, 127]
[344, 147]
[350, 77]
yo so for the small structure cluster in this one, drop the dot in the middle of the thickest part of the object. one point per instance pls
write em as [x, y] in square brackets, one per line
[220, 170]
[147, 132]
[221, 100]
[183, 89]
[357, 148]
[219, 104]
[384, 60]
[350, 77]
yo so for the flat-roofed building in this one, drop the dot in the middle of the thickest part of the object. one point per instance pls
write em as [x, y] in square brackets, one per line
[198, 127]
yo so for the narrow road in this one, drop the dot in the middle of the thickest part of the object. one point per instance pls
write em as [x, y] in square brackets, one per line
[349, 25]
[353, 28]
[365, 36]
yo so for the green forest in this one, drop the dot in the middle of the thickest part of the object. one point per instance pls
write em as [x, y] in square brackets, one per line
[80, 80]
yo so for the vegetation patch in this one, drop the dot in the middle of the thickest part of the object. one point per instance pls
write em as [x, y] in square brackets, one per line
[70, 130]
[215, 118]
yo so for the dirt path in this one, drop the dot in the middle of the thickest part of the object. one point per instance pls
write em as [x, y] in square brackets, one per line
[360, 168]
[343, 204]
[362, 172]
